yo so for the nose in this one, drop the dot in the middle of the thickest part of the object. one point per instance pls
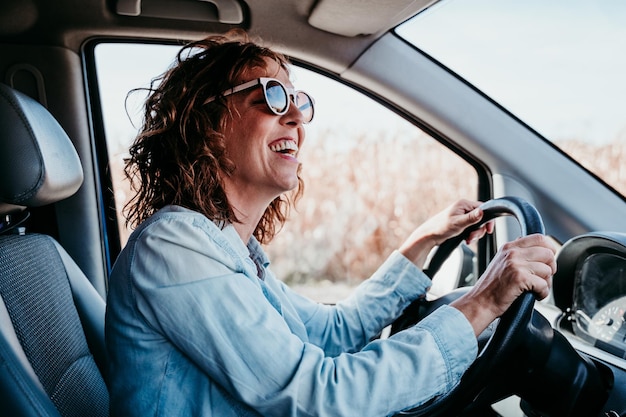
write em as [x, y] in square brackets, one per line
[293, 115]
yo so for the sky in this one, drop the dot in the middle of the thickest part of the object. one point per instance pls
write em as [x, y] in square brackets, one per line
[558, 63]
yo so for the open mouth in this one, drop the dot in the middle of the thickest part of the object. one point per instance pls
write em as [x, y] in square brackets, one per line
[288, 147]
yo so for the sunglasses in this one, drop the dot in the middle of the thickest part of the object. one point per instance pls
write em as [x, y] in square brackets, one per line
[277, 97]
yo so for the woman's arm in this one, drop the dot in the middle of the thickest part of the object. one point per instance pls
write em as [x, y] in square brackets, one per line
[225, 325]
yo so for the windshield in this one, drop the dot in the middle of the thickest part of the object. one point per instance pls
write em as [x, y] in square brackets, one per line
[559, 66]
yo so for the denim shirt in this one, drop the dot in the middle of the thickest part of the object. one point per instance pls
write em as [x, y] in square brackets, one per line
[198, 325]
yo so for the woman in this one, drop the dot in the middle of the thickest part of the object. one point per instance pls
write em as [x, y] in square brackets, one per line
[197, 324]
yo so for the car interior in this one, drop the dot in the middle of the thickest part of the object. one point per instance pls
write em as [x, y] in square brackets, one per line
[60, 233]
[52, 328]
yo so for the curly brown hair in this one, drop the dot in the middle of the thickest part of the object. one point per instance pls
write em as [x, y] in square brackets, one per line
[179, 154]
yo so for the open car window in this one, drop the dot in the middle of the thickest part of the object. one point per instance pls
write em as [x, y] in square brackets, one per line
[370, 176]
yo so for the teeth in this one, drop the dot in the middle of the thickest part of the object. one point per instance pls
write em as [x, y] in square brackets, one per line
[284, 146]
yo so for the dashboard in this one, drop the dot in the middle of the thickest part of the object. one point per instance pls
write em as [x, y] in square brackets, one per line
[590, 288]
[607, 325]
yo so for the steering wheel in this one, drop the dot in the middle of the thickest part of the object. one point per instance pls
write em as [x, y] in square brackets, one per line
[511, 326]
[524, 355]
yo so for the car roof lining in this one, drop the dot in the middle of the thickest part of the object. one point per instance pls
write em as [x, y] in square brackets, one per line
[363, 17]
[304, 27]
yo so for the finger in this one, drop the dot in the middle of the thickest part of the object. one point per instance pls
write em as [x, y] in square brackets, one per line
[472, 216]
[544, 254]
[540, 286]
[540, 272]
[486, 228]
[541, 269]
[536, 240]
[466, 206]
[460, 222]
[490, 226]
[476, 234]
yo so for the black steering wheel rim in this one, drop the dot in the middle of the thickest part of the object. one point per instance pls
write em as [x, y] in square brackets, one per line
[526, 214]
[512, 324]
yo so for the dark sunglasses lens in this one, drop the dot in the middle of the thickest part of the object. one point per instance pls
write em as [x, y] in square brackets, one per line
[277, 99]
[305, 105]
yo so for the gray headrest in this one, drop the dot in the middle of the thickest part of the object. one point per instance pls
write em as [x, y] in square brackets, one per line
[38, 163]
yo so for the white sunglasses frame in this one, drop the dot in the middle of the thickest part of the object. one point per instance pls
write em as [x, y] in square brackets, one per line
[262, 81]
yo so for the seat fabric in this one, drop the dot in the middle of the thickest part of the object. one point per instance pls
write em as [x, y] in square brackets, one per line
[35, 288]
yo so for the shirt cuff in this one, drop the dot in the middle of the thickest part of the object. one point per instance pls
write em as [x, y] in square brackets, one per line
[403, 276]
[455, 338]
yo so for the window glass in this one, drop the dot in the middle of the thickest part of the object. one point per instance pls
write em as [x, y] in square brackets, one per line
[557, 65]
[370, 176]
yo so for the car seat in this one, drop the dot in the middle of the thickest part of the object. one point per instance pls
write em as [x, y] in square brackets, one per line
[52, 353]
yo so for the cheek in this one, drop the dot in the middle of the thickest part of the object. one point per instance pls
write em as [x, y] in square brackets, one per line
[248, 130]
[241, 140]
[302, 137]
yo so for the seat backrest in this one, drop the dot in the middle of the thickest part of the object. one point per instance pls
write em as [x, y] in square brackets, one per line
[52, 355]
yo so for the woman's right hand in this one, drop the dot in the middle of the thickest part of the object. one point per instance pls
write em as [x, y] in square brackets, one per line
[444, 225]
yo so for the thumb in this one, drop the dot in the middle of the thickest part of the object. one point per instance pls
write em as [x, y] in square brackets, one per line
[474, 216]
[468, 219]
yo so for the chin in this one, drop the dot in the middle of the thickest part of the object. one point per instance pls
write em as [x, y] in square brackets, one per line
[291, 185]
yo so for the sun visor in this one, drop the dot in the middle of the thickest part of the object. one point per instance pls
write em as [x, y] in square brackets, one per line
[221, 11]
[363, 17]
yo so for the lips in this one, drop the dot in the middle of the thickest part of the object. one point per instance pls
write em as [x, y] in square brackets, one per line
[284, 146]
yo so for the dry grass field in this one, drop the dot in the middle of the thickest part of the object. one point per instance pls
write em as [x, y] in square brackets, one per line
[607, 161]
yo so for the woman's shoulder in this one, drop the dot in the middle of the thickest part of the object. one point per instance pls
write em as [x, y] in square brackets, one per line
[181, 226]
[182, 239]
[176, 214]
[174, 217]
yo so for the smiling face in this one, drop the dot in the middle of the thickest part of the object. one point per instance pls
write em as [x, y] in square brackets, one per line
[263, 146]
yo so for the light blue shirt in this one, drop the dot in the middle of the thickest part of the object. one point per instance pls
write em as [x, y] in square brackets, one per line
[192, 330]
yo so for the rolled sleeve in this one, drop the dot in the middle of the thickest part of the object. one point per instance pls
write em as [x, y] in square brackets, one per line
[454, 337]
[375, 304]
